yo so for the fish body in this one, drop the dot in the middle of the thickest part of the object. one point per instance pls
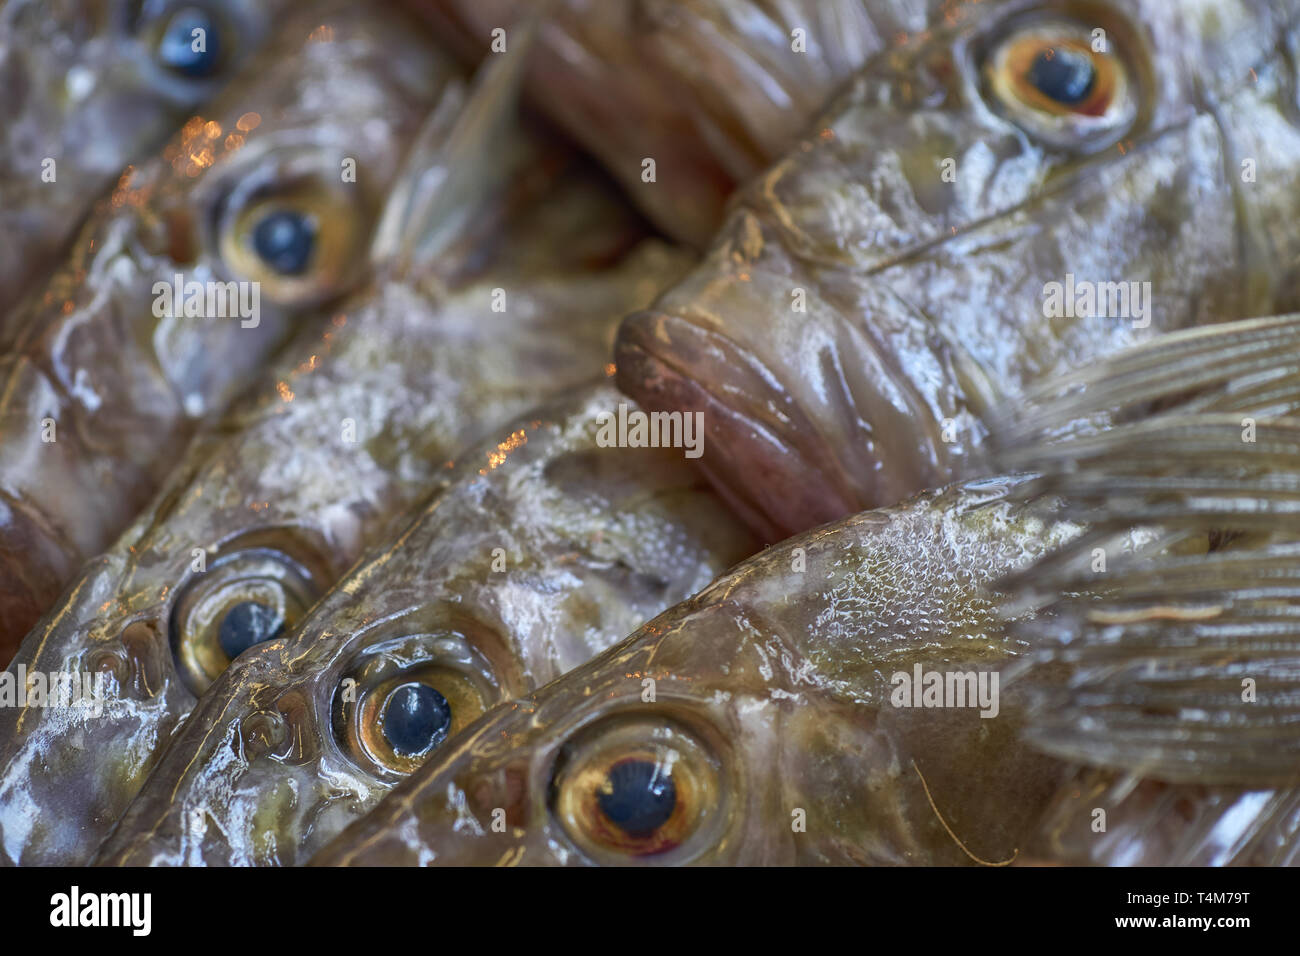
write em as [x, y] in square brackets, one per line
[406, 374]
[252, 221]
[949, 234]
[543, 547]
[91, 86]
[712, 91]
[778, 731]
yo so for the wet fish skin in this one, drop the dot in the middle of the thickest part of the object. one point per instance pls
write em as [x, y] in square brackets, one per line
[924, 301]
[591, 541]
[773, 688]
[122, 388]
[406, 374]
[87, 86]
[712, 90]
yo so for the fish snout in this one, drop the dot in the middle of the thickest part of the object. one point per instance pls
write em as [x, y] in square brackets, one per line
[826, 420]
[760, 452]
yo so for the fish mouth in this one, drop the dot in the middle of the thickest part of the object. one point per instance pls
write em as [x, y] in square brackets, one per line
[787, 455]
[762, 454]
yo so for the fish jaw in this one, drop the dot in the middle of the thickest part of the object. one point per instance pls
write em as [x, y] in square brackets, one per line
[251, 740]
[858, 426]
[120, 616]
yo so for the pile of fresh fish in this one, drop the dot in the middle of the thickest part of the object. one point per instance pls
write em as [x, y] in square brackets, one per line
[650, 431]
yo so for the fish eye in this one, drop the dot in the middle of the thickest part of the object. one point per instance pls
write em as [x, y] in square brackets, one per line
[248, 623]
[243, 599]
[189, 42]
[415, 718]
[284, 239]
[404, 697]
[1062, 86]
[292, 226]
[638, 789]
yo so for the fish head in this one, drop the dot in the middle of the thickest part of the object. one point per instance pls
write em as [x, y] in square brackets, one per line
[542, 549]
[255, 221]
[275, 187]
[875, 293]
[755, 723]
[149, 625]
[719, 88]
[92, 86]
[116, 72]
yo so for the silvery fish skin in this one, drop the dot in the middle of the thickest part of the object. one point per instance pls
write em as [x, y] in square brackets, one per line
[876, 293]
[767, 704]
[1169, 674]
[99, 386]
[403, 377]
[544, 548]
[712, 90]
[93, 85]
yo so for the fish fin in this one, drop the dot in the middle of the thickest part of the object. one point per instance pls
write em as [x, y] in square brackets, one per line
[1251, 367]
[1167, 637]
[464, 155]
[1147, 823]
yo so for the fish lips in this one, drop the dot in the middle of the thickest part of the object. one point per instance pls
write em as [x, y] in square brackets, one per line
[788, 451]
[761, 451]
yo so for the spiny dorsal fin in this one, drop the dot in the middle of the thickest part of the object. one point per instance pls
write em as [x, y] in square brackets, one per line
[1252, 367]
[1168, 636]
[467, 150]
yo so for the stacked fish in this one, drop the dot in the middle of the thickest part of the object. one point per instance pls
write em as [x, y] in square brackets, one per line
[650, 431]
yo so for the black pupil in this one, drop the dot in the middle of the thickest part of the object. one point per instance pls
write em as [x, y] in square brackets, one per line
[246, 624]
[1064, 74]
[284, 239]
[177, 50]
[638, 797]
[416, 719]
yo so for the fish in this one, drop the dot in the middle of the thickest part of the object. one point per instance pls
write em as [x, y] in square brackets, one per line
[93, 86]
[253, 221]
[713, 91]
[242, 540]
[545, 545]
[1027, 189]
[770, 719]
[1166, 675]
